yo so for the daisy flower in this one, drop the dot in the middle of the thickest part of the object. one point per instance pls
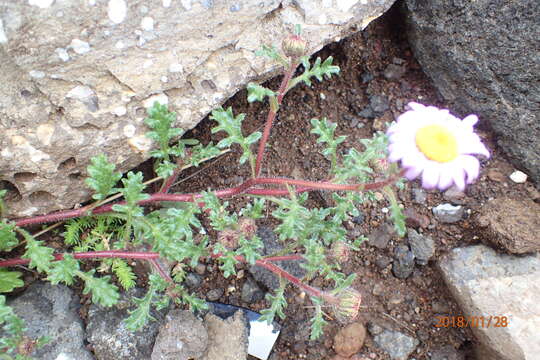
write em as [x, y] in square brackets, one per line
[437, 145]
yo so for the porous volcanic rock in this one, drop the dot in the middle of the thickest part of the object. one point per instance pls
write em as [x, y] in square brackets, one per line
[482, 57]
[77, 76]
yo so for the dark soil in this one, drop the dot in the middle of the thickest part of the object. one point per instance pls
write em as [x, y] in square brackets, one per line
[409, 305]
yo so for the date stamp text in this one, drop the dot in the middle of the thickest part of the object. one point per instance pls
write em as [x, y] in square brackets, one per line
[471, 321]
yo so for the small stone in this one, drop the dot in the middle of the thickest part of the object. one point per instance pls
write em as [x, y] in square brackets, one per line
[382, 262]
[381, 236]
[366, 113]
[518, 177]
[454, 195]
[358, 220]
[423, 247]
[200, 269]
[448, 213]
[374, 328]
[366, 77]
[496, 175]
[414, 219]
[214, 294]
[378, 289]
[79, 46]
[403, 265]
[439, 307]
[396, 344]
[379, 103]
[394, 72]
[349, 340]
[251, 292]
[419, 196]
[447, 352]
[193, 280]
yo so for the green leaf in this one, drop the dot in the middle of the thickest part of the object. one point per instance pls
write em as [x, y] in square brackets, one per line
[317, 322]
[200, 153]
[257, 92]
[319, 71]
[125, 274]
[277, 305]
[325, 129]
[10, 280]
[271, 53]
[103, 292]
[64, 271]
[139, 317]
[40, 256]
[395, 211]
[102, 178]
[8, 237]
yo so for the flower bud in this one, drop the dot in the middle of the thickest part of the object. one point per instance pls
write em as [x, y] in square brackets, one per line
[294, 46]
[247, 227]
[340, 251]
[229, 238]
[346, 305]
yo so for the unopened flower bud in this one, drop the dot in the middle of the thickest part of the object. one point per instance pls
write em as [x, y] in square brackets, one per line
[229, 238]
[247, 227]
[346, 304]
[341, 251]
[294, 46]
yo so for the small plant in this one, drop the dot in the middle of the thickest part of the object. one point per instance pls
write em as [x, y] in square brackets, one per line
[426, 140]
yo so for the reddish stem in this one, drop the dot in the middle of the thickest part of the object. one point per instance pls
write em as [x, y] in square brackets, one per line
[272, 115]
[244, 188]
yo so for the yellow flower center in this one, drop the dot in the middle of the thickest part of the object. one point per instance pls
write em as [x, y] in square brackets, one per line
[437, 143]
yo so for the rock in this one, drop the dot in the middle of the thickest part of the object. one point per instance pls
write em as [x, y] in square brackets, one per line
[379, 104]
[382, 262]
[350, 339]
[478, 44]
[228, 339]
[403, 265]
[518, 177]
[108, 336]
[394, 72]
[454, 195]
[497, 287]
[181, 337]
[414, 219]
[512, 224]
[419, 196]
[214, 294]
[374, 328]
[423, 247]
[193, 280]
[396, 344]
[128, 57]
[448, 213]
[358, 220]
[378, 289]
[381, 236]
[367, 113]
[272, 246]
[251, 292]
[52, 310]
[447, 352]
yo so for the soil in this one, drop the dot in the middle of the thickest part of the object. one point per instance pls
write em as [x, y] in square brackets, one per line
[409, 305]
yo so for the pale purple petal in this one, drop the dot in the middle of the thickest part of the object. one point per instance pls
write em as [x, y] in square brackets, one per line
[445, 177]
[412, 173]
[416, 106]
[430, 176]
[470, 120]
[414, 158]
[471, 144]
[471, 165]
[459, 177]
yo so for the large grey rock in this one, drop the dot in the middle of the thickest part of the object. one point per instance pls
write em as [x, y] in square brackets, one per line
[396, 344]
[481, 56]
[109, 337]
[52, 310]
[227, 339]
[77, 75]
[486, 284]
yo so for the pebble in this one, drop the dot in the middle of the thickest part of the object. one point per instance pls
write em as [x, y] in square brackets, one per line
[447, 352]
[374, 328]
[518, 177]
[423, 247]
[214, 294]
[382, 262]
[379, 103]
[200, 269]
[193, 280]
[394, 72]
[396, 344]
[366, 77]
[367, 113]
[403, 265]
[454, 195]
[381, 236]
[378, 289]
[251, 292]
[448, 213]
[419, 196]
[358, 220]
[349, 340]
[414, 219]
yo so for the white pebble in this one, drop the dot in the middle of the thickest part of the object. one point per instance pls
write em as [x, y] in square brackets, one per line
[147, 23]
[117, 11]
[164, 79]
[79, 46]
[147, 64]
[119, 45]
[129, 130]
[3, 38]
[176, 67]
[120, 111]
[518, 177]
[160, 98]
[36, 74]
[62, 54]
[41, 3]
[166, 3]
[80, 92]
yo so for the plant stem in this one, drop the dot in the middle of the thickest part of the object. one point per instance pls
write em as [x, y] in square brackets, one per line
[272, 115]
[244, 188]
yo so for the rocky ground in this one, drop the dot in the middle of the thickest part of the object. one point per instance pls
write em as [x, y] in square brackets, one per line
[403, 281]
